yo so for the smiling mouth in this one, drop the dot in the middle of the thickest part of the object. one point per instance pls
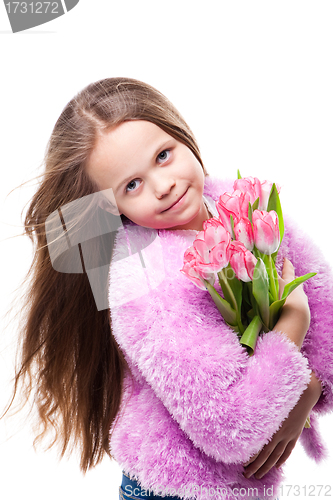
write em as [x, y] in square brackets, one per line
[175, 201]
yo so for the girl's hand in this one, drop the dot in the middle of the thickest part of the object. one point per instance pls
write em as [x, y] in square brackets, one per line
[276, 452]
[294, 322]
[295, 316]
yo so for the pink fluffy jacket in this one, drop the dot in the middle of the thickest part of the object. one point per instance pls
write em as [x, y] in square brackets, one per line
[195, 406]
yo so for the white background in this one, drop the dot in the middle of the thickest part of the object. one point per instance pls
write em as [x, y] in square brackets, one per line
[254, 81]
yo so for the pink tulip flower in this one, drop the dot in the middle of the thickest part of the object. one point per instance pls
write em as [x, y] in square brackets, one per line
[242, 261]
[256, 189]
[244, 233]
[197, 278]
[244, 200]
[214, 221]
[190, 270]
[190, 255]
[250, 185]
[235, 204]
[212, 246]
[266, 231]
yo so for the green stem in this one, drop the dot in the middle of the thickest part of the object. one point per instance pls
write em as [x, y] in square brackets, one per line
[234, 301]
[273, 283]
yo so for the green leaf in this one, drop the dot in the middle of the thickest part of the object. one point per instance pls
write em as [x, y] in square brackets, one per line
[235, 284]
[249, 212]
[294, 284]
[238, 174]
[228, 313]
[260, 290]
[225, 289]
[233, 292]
[232, 227]
[246, 295]
[275, 275]
[274, 255]
[255, 205]
[249, 286]
[274, 204]
[257, 253]
[274, 312]
[275, 307]
[272, 277]
[249, 337]
[250, 314]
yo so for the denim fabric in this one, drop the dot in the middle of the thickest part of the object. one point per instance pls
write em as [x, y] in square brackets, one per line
[130, 490]
[135, 492]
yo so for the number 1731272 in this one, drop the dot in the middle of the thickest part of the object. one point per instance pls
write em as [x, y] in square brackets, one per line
[33, 7]
[311, 490]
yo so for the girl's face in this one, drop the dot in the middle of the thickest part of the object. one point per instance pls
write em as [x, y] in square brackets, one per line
[156, 181]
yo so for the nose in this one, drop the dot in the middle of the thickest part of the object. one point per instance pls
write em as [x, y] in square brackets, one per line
[163, 186]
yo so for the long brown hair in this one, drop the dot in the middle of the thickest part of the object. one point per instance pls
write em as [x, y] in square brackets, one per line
[68, 357]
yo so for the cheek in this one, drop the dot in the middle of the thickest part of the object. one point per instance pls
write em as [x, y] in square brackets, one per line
[140, 211]
[195, 166]
[192, 170]
[200, 175]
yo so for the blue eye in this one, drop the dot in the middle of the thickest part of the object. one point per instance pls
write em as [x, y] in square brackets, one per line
[163, 156]
[131, 184]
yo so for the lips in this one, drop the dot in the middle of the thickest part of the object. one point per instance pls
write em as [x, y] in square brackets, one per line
[176, 201]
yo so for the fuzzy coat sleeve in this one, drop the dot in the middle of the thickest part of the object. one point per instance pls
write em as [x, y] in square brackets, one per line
[318, 343]
[175, 340]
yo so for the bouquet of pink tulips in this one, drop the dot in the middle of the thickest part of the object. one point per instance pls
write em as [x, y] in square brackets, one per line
[240, 247]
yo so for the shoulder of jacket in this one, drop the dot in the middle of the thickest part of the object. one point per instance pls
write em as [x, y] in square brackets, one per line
[215, 187]
[131, 239]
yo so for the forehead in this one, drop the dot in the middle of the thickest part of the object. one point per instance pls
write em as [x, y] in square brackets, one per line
[128, 137]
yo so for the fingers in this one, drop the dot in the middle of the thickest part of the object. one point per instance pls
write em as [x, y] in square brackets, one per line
[288, 275]
[269, 458]
[266, 459]
[286, 454]
[252, 459]
[288, 271]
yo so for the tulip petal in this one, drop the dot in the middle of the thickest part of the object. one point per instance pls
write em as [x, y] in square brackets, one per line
[196, 280]
[266, 231]
[202, 249]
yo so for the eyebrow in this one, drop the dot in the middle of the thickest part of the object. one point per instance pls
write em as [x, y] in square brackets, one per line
[127, 179]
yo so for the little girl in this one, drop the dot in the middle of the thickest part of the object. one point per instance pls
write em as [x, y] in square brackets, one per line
[156, 379]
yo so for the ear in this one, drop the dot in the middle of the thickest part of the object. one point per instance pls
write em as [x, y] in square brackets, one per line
[106, 204]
